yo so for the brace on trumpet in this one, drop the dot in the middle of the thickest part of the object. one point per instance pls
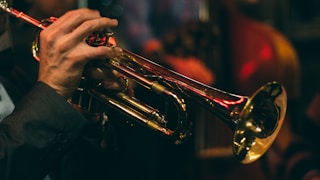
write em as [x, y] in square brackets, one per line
[255, 120]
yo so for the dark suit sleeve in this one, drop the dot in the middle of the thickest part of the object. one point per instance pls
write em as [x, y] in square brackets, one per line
[39, 131]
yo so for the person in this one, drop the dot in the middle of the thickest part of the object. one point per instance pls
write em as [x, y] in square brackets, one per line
[44, 130]
[150, 26]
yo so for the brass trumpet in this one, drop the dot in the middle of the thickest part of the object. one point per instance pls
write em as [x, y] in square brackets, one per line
[255, 120]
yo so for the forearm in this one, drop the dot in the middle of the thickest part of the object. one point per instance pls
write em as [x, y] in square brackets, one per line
[37, 133]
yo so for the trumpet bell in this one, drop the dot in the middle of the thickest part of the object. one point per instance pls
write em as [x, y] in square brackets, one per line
[261, 120]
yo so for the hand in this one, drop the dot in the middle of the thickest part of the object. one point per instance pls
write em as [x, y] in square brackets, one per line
[111, 79]
[119, 83]
[64, 53]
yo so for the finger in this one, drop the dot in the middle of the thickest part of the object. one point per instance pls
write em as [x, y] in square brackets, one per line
[120, 84]
[66, 24]
[89, 26]
[110, 84]
[72, 19]
[98, 72]
[100, 52]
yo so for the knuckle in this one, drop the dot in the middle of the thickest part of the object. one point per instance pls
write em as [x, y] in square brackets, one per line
[88, 25]
[79, 13]
[75, 14]
[45, 37]
[62, 46]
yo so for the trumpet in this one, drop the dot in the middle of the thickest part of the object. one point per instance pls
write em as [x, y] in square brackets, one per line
[255, 120]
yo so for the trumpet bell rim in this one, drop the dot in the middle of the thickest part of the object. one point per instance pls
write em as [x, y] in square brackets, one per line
[260, 122]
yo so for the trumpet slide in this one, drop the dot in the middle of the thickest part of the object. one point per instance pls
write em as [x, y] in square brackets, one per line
[255, 120]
